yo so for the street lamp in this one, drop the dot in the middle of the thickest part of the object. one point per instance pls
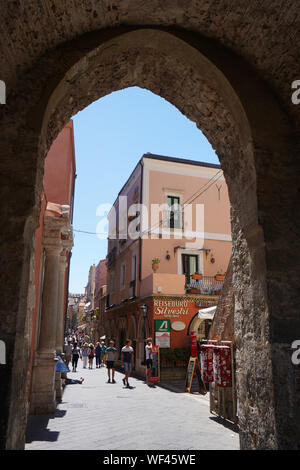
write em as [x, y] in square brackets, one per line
[144, 310]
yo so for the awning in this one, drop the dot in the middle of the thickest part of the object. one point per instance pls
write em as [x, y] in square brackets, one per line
[207, 313]
[103, 337]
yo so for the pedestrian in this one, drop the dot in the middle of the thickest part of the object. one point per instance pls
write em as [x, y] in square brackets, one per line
[110, 357]
[98, 350]
[71, 381]
[85, 354]
[149, 361]
[75, 356]
[103, 350]
[91, 352]
[127, 356]
[68, 352]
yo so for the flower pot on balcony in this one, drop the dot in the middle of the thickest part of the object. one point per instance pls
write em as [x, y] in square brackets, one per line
[219, 277]
[195, 291]
[155, 267]
[196, 276]
[155, 264]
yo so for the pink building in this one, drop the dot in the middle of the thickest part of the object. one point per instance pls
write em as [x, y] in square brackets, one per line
[100, 295]
[50, 271]
[176, 212]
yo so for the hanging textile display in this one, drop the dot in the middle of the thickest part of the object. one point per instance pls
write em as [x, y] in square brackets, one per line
[206, 359]
[222, 366]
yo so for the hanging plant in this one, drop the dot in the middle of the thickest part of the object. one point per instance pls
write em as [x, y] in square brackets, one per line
[155, 264]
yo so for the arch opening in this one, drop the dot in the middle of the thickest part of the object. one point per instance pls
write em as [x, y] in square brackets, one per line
[170, 67]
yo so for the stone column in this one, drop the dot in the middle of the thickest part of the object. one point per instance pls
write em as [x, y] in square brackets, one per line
[60, 302]
[48, 330]
[60, 318]
[43, 397]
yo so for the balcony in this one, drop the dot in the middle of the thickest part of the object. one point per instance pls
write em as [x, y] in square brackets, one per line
[205, 285]
[111, 257]
[163, 283]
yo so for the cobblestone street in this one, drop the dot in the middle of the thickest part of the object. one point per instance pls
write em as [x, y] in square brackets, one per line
[97, 415]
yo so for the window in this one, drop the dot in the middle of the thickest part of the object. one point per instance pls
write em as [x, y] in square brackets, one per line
[112, 283]
[133, 277]
[189, 265]
[174, 212]
[122, 276]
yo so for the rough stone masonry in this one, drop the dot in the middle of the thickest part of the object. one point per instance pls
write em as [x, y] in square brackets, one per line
[228, 66]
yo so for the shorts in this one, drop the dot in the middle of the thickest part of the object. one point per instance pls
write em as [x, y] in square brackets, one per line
[91, 357]
[110, 364]
[149, 363]
[127, 366]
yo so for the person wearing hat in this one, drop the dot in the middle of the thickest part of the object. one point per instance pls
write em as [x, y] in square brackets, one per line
[103, 351]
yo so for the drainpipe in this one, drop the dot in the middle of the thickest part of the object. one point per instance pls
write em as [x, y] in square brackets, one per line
[140, 239]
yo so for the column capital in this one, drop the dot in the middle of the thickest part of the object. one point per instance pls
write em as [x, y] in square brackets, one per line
[58, 232]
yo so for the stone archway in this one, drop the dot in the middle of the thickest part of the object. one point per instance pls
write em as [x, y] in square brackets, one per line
[210, 84]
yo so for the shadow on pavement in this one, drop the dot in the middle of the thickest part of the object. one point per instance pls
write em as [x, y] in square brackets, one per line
[37, 427]
[227, 424]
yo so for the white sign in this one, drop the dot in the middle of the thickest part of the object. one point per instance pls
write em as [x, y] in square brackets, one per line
[163, 339]
[178, 325]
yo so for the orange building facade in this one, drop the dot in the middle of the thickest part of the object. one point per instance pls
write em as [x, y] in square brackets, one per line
[50, 272]
[168, 251]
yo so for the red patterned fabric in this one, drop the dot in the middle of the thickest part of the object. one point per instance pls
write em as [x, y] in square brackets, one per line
[222, 366]
[206, 359]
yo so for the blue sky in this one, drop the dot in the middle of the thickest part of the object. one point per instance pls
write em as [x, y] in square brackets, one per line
[111, 135]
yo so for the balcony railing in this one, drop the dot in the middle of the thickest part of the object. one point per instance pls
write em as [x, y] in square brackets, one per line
[207, 285]
[111, 257]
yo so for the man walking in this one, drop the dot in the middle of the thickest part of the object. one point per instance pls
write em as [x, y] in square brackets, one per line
[98, 351]
[127, 356]
[111, 356]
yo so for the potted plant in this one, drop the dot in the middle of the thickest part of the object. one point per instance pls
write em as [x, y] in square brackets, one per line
[155, 264]
[219, 277]
[197, 275]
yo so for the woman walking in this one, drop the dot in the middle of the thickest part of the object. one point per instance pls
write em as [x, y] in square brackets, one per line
[75, 356]
[149, 361]
[85, 354]
[91, 355]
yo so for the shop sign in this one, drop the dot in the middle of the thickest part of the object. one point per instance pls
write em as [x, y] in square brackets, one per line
[171, 308]
[192, 369]
[194, 351]
[162, 325]
[163, 340]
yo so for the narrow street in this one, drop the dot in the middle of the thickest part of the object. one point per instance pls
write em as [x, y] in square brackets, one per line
[97, 415]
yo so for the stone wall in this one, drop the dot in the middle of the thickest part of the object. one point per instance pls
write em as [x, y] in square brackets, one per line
[229, 68]
[222, 328]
